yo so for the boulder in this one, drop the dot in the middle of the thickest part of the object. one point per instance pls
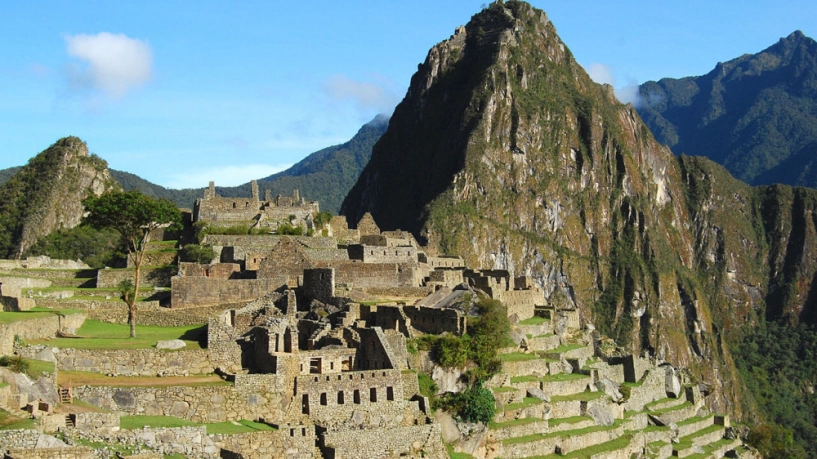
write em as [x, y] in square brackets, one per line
[448, 426]
[672, 384]
[170, 344]
[601, 415]
[567, 368]
[609, 387]
[537, 393]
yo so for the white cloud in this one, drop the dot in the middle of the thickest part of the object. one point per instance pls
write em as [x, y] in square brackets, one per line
[223, 176]
[625, 93]
[113, 63]
[600, 73]
[367, 97]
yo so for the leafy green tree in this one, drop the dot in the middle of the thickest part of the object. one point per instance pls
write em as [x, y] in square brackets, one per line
[134, 216]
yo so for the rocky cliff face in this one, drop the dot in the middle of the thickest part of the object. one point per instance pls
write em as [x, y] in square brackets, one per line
[46, 194]
[506, 153]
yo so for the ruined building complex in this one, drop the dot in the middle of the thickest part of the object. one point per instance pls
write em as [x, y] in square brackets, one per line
[316, 337]
[252, 211]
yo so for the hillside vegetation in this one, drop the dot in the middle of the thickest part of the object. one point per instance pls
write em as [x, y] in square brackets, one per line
[756, 115]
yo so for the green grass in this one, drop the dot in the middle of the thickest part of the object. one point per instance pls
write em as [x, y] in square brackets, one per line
[535, 320]
[514, 422]
[671, 408]
[524, 378]
[35, 313]
[504, 389]
[587, 453]
[224, 428]
[569, 420]
[242, 426]
[9, 421]
[102, 335]
[517, 357]
[565, 348]
[137, 422]
[563, 377]
[453, 455]
[3, 384]
[688, 441]
[581, 396]
[428, 388]
[38, 367]
[694, 419]
[563, 433]
[526, 402]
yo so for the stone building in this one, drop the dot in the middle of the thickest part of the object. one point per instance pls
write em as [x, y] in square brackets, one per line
[253, 211]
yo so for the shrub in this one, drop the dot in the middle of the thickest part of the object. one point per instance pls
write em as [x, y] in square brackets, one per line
[287, 229]
[478, 404]
[14, 363]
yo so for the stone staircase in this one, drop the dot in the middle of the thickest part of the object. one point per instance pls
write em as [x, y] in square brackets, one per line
[564, 401]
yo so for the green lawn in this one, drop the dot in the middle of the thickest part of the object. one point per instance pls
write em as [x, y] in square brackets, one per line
[511, 423]
[526, 402]
[563, 377]
[535, 320]
[454, 455]
[517, 357]
[35, 313]
[9, 421]
[582, 396]
[224, 428]
[102, 335]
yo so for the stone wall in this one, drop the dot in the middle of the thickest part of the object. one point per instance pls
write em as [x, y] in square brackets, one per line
[148, 312]
[10, 303]
[73, 452]
[205, 404]
[44, 327]
[414, 441]
[363, 275]
[150, 276]
[520, 302]
[379, 254]
[399, 292]
[319, 284]
[213, 270]
[129, 362]
[17, 286]
[291, 442]
[191, 441]
[43, 262]
[96, 422]
[203, 291]
[436, 321]
[24, 439]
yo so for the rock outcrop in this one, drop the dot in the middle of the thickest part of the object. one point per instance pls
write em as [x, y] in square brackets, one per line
[47, 193]
[505, 152]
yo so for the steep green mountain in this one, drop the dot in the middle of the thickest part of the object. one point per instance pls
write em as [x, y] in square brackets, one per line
[756, 115]
[505, 152]
[183, 198]
[6, 174]
[45, 195]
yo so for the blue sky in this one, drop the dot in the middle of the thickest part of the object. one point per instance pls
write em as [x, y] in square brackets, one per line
[184, 92]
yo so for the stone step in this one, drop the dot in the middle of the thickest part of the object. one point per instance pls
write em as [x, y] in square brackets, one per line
[619, 448]
[687, 445]
[659, 449]
[529, 407]
[694, 424]
[674, 414]
[517, 428]
[561, 442]
[506, 395]
[665, 403]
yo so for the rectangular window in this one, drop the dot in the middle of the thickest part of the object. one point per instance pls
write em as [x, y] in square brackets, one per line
[323, 398]
[390, 393]
[357, 397]
[373, 394]
[340, 398]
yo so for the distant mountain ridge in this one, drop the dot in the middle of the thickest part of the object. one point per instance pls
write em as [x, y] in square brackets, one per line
[756, 115]
[324, 176]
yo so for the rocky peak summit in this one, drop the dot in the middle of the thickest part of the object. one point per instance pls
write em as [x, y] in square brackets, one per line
[505, 152]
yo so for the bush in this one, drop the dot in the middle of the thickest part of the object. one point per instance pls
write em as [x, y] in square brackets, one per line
[14, 363]
[287, 229]
[478, 404]
[196, 253]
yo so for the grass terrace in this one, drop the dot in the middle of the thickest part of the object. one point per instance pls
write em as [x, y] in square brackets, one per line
[569, 420]
[526, 402]
[95, 334]
[34, 313]
[535, 320]
[517, 357]
[688, 441]
[581, 396]
[565, 348]
[563, 433]
[223, 428]
[512, 423]
[592, 451]
[9, 421]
